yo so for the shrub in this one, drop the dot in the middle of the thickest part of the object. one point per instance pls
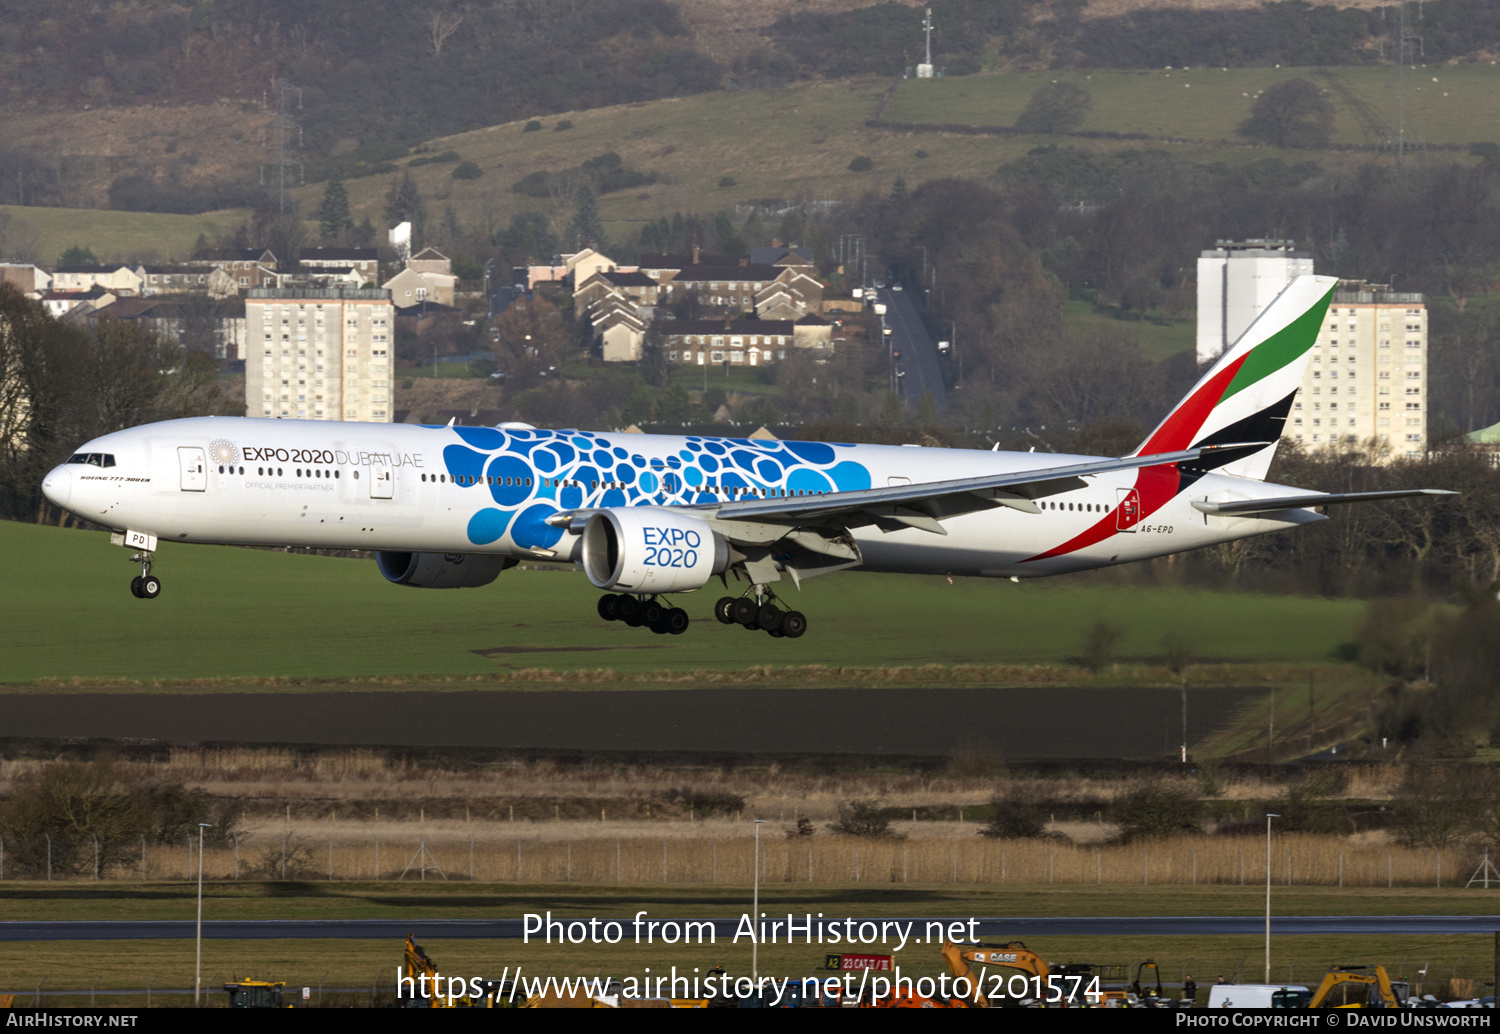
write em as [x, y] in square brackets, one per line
[726, 181]
[1055, 108]
[804, 829]
[862, 818]
[531, 127]
[467, 171]
[1014, 816]
[564, 124]
[862, 164]
[1099, 645]
[1158, 812]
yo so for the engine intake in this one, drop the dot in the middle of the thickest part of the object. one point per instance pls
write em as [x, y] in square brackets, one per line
[647, 549]
[441, 570]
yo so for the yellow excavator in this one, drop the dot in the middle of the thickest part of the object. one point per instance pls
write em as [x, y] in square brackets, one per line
[1358, 987]
[962, 959]
[425, 993]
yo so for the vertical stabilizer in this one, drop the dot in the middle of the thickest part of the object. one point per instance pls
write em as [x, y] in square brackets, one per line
[1247, 394]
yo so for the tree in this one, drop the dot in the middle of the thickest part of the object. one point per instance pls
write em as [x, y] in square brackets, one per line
[333, 213]
[1296, 113]
[587, 229]
[78, 255]
[1055, 108]
[404, 204]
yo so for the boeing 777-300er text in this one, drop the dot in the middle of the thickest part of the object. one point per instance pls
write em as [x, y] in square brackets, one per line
[651, 515]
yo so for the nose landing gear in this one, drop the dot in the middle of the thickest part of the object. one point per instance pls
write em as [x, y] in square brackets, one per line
[145, 586]
[644, 611]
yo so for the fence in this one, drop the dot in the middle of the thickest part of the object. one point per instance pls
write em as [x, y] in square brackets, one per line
[1296, 860]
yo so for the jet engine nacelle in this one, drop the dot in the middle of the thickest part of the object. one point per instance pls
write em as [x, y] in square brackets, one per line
[441, 570]
[646, 549]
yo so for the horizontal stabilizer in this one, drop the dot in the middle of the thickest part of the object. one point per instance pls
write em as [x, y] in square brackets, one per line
[1299, 502]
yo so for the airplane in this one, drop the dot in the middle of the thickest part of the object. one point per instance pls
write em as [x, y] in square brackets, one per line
[649, 516]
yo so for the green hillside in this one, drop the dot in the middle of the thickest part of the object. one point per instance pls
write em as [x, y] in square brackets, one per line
[798, 142]
[114, 236]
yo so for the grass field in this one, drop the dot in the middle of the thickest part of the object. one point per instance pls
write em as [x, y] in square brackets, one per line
[1159, 337]
[1445, 104]
[226, 613]
[117, 236]
[361, 963]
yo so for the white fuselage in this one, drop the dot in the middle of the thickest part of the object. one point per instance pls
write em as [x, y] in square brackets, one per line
[412, 488]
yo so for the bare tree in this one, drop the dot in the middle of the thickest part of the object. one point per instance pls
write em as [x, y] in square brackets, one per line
[442, 24]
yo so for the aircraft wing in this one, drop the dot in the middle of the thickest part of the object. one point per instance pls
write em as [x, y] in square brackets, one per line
[925, 505]
[1298, 502]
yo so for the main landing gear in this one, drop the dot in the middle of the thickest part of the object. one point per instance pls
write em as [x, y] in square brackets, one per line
[145, 586]
[759, 612]
[644, 611]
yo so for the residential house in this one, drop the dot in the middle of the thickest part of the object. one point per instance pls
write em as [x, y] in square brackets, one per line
[32, 281]
[636, 288]
[64, 303]
[119, 280]
[246, 268]
[620, 331]
[409, 287]
[365, 261]
[737, 342]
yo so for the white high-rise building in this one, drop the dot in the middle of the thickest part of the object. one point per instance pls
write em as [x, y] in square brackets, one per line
[1367, 379]
[1236, 281]
[319, 353]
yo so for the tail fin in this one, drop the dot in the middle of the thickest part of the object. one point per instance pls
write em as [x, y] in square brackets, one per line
[1246, 395]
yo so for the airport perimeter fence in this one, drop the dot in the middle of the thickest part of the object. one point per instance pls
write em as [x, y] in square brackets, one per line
[1295, 860]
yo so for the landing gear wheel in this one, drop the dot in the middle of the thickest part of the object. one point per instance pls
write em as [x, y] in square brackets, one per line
[630, 611]
[724, 610]
[745, 611]
[793, 624]
[659, 626]
[677, 621]
[769, 617]
[609, 607]
[777, 633]
[150, 587]
[135, 586]
[651, 613]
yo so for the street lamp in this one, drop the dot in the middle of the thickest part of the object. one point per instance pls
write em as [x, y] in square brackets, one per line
[1269, 817]
[755, 912]
[198, 960]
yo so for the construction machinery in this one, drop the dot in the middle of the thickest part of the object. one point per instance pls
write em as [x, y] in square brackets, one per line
[1150, 997]
[1359, 987]
[257, 994]
[422, 987]
[1037, 988]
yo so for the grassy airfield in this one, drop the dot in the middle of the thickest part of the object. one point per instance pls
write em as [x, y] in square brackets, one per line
[334, 964]
[228, 613]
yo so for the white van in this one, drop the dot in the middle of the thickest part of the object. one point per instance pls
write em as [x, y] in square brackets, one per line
[1258, 996]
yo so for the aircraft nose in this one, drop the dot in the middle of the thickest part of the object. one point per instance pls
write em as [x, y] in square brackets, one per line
[58, 486]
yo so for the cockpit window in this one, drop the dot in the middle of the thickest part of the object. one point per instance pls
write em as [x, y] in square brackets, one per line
[93, 459]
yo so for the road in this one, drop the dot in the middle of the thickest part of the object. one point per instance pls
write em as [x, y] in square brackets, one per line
[919, 354]
[1012, 723]
[724, 929]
